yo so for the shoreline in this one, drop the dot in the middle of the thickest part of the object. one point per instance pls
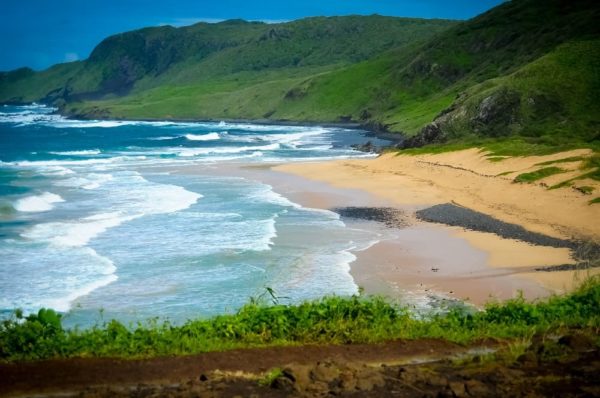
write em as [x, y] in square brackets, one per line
[483, 265]
[401, 265]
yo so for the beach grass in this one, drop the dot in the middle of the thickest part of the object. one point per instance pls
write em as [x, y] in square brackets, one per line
[586, 190]
[564, 160]
[590, 168]
[505, 147]
[538, 174]
[331, 320]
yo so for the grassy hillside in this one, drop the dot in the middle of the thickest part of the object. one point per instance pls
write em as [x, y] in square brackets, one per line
[527, 68]
[166, 56]
[552, 99]
[406, 90]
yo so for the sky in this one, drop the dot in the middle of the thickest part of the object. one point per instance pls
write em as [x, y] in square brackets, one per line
[40, 33]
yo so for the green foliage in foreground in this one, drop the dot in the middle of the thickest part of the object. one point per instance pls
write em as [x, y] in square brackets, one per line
[330, 320]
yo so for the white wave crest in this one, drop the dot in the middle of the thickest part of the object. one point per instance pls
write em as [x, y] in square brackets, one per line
[86, 152]
[82, 162]
[187, 152]
[33, 284]
[163, 138]
[55, 171]
[203, 137]
[91, 181]
[131, 197]
[74, 234]
[265, 194]
[261, 127]
[38, 203]
[63, 304]
[269, 232]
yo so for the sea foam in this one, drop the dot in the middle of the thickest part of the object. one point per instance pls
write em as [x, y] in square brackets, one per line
[38, 203]
[128, 195]
[90, 181]
[189, 152]
[31, 284]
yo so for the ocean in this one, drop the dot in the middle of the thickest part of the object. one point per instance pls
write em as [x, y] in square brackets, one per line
[103, 220]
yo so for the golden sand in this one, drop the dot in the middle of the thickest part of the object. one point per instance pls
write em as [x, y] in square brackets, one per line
[468, 178]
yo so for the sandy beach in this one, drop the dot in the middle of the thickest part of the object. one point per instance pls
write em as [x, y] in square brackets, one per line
[425, 258]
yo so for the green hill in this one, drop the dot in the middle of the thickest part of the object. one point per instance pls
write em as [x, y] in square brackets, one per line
[214, 54]
[527, 68]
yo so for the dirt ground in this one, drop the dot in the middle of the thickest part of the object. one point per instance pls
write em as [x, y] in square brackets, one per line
[559, 366]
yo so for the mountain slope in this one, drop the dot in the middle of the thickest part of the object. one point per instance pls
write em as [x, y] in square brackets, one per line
[527, 68]
[139, 60]
[412, 87]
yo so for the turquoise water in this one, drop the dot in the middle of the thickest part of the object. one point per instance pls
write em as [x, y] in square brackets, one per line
[98, 222]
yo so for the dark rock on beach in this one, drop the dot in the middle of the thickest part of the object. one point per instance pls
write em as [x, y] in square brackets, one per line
[366, 147]
[587, 254]
[389, 216]
[451, 214]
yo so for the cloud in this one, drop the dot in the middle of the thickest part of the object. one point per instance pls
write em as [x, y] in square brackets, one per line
[70, 57]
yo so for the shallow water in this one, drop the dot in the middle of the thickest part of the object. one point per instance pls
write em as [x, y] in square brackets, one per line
[97, 222]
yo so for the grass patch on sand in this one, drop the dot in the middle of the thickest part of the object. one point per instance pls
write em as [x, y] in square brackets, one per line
[565, 160]
[592, 163]
[331, 320]
[504, 173]
[538, 174]
[586, 190]
[500, 148]
[594, 201]
[591, 168]
[496, 158]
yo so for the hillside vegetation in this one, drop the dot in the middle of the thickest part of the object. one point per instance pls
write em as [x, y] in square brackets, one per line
[528, 69]
[214, 57]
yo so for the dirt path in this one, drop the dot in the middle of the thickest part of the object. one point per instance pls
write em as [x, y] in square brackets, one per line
[565, 366]
[76, 374]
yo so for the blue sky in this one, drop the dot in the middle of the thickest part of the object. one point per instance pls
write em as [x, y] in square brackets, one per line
[40, 33]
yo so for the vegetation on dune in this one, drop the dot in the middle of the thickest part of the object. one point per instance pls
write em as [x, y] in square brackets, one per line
[585, 189]
[590, 169]
[564, 160]
[329, 320]
[503, 147]
[538, 174]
